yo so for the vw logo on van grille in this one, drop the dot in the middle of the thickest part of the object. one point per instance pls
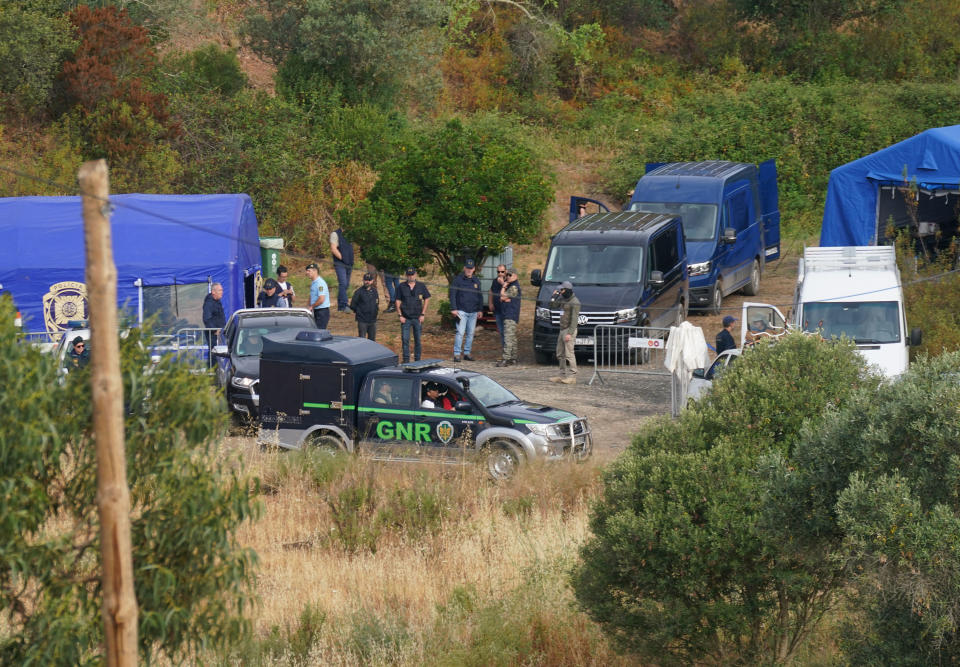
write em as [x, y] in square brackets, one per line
[582, 319]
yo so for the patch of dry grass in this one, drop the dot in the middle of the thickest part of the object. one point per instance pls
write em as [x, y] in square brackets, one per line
[449, 568]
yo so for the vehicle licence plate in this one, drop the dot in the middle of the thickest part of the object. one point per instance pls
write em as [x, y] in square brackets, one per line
[584, 340]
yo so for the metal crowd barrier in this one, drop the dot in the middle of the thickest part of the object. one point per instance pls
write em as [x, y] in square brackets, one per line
[619, 349]
[190, 344]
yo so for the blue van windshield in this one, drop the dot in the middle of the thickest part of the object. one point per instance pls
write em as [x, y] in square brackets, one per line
[865, 322]
[595, 264]
[699, 220]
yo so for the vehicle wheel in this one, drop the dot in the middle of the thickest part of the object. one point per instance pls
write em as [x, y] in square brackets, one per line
[681, 314]
[717, 307]
[753, 287]
[327, 443]
[503, 460]
[542, 357]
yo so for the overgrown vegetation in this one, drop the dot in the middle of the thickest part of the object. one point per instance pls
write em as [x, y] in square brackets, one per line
[193, 579]
[729, 534]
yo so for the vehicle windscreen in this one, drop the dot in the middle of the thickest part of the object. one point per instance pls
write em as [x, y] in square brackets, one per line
[489, 392]
[595, 264]
[699, 220]
[865, 322]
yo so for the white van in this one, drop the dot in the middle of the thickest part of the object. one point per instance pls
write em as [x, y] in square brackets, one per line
[852, 291]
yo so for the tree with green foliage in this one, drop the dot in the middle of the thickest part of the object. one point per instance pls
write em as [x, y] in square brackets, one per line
[680, 568]
[34, 40]
[458, 188]
[358, 50]
[194, 582]
[876, 485]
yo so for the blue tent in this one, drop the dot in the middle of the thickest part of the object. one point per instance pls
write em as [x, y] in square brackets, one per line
[863, 195]
[168, 249]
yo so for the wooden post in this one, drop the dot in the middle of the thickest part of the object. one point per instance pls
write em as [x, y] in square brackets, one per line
[113, 496]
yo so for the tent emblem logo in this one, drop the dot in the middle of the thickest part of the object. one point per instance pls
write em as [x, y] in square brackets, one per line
[445, 431]
[64, 302]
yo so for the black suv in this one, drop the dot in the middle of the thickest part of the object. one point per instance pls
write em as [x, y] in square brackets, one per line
[238, 352]
[627, 268]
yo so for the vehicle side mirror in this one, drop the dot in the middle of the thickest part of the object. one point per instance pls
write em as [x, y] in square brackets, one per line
[463, 406]
[698, 373]
[656, 278]
[536, 278]
[916, 335]
[729, 235]
[220, 351]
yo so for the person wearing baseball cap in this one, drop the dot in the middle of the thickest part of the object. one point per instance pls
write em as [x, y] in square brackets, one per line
[725, 338]
[564, 299]
[269, 297]
[365, 304]
[466, 302]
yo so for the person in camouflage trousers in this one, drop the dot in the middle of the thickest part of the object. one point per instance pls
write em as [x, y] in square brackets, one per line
[565, 299]
[510, 308]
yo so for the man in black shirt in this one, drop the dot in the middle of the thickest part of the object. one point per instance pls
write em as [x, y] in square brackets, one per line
[412, 299]
[366, 305]
[270, 296]
[725, 338]
[213, 316]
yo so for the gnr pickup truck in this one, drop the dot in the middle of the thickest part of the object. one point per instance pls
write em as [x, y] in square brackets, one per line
[341, 393]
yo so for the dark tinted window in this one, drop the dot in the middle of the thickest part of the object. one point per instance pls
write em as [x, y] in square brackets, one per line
[664, 251]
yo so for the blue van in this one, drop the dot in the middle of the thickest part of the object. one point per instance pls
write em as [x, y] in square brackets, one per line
[731, 221]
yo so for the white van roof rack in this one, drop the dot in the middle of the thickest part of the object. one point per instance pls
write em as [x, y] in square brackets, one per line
[861, 258]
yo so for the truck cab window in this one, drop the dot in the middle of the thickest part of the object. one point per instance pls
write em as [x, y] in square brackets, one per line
[392, 392]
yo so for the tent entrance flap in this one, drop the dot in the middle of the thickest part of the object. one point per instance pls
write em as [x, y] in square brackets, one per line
[928, 213]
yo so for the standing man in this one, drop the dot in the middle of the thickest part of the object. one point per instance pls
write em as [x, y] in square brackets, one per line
[270, 296]
[366, 305]
[565, 299]
[285, 289]
[725, 337]
[392, 283]
[494, 299]
[319, 296]
[213, 316]
[412, 300]
[510, 305]
[466, 302]
[342, 251]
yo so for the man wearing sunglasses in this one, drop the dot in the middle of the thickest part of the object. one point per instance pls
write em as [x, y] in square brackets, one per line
[79, 355]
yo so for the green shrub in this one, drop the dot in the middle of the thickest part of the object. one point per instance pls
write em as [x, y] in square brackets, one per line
[352, 510]
[415, 512]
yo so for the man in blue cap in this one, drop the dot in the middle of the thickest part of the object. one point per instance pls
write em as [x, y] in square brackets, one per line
[725, 338]
[466, 302]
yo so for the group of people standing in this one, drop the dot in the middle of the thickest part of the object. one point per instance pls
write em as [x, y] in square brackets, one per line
[410, 299]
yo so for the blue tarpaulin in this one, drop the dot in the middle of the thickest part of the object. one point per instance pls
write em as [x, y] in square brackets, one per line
[850, 217]
[183, 241]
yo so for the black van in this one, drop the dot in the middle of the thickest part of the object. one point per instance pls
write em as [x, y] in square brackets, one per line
[627, 268]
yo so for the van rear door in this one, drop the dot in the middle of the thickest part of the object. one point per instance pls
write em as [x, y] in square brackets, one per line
[576, 202]
[769, 209]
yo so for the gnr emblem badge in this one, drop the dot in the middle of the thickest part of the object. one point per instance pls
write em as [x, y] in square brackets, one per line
[444, 431]
[64, 302]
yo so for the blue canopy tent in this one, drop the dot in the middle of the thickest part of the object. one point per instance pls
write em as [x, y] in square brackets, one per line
[863, 195]
[168, 249]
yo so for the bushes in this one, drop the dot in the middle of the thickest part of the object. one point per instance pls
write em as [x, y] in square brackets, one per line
[678, 569]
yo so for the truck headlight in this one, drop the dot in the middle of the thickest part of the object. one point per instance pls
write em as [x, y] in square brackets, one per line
[627, 315]
[541, 429]
[699, 269]
[543, 313]
[243, 383]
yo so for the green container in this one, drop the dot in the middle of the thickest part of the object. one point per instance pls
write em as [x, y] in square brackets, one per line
[270, 247]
